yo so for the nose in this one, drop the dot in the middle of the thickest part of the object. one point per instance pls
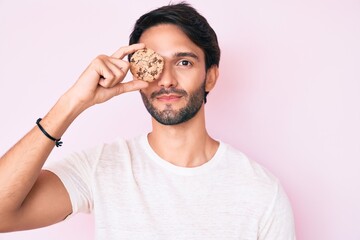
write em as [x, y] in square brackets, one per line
[167, 78]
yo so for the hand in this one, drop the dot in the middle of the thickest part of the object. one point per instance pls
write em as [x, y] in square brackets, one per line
[102, 79]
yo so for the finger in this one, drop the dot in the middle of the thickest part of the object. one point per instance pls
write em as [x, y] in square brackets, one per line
[121, 64]
[123, 51]
[118, 74]
[103, 70]
[130, 86]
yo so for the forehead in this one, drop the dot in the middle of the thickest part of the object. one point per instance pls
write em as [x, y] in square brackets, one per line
[168, 39]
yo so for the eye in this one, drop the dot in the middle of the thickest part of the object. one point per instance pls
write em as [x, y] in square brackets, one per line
[184, 63]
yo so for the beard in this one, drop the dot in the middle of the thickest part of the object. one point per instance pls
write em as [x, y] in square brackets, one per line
[169, 116]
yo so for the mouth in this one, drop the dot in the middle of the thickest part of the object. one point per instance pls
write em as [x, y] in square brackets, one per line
[168, 97]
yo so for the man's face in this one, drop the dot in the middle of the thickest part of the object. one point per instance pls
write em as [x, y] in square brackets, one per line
[179, 92]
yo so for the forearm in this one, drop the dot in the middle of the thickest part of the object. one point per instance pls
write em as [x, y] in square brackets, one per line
[21, 165]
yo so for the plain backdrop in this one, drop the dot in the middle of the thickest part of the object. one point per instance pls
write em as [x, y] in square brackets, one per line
[288, 95]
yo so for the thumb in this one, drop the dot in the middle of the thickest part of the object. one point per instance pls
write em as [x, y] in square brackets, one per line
[128, 87]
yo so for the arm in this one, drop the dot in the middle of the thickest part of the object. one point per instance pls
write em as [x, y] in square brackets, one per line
[32, 198]
[278, 221]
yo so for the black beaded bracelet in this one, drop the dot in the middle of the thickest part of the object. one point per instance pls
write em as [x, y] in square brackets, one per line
[58, 143]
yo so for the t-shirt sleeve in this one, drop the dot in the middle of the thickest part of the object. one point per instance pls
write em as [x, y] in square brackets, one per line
[75, 172]
[278, 221]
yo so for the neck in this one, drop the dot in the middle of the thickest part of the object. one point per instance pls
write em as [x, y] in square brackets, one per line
[187, 144]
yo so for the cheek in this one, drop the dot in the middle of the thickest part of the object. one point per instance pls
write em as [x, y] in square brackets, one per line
[187, 78]
[150, 88]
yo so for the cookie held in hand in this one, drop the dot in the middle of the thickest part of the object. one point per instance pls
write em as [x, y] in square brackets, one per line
[146, 65]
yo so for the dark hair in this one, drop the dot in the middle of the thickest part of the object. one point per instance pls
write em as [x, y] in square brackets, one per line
[192, 23]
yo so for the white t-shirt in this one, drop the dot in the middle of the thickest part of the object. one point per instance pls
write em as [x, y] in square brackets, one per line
[134, 194]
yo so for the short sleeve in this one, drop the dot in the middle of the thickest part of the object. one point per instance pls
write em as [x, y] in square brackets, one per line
[278, 221]
[75, 172]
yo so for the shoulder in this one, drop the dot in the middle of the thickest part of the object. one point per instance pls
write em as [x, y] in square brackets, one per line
[122, 148]
[120, 152]
[258, 183]
[248, 177]
[247, 168]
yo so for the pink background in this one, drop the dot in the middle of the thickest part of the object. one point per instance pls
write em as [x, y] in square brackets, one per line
[288, 94]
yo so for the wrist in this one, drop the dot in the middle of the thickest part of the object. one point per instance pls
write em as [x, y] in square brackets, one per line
[58, 142]
[71, 107]
[61, 115]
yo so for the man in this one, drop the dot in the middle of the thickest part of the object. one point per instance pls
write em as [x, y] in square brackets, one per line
[175, 182]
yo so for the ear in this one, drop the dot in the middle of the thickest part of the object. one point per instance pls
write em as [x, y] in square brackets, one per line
[211, 77]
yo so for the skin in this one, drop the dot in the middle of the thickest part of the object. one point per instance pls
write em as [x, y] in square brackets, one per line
[32, 198]
[187, 144]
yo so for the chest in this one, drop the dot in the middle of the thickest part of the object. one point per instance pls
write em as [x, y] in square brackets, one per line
[157, 205]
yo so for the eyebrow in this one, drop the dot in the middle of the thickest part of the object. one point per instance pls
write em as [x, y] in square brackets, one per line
[186, 54]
